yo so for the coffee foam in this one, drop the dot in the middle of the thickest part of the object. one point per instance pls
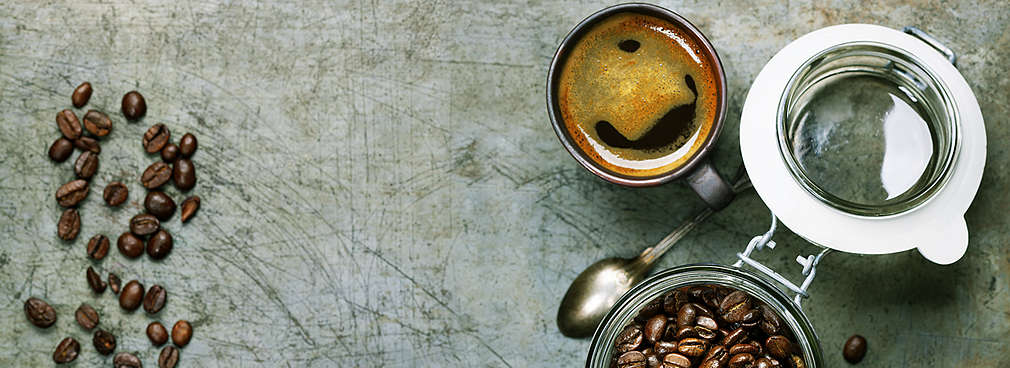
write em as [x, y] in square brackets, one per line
[632, 91]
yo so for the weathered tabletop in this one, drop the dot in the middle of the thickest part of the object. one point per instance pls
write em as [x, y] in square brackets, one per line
[382, 187]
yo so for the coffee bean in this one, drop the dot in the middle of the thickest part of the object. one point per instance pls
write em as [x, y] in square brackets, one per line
[686, 315]
[170, 153]
[629, 338]
[87, 144]
[854, 349]
[187, 145]
[126, 360]
[706, 322]
[132, 295]
[72, 193]
[692, 347]
[86, 165]
[672, 301]
[98, 247]
[39, 313]
[104, 342]
[184, 174]
[159, 204]
[734, 337]
[719, 354]
[169, 357]
[676, 361]
[114, 283]
[67, 121]
[156, 175]
[66, 351]
[159, 245]
[81, 95]
[157, 333]
[651, 359]
[764, 363]
[156, 137]
[741, 360]
[181, 333]
[115, 193]
[97, 123]
[95, 281]
[130, 245]
[744, 348]
[155, 299]
[655, 327]
[144, 224]
[736, 307]
[779, 346]
[665, 347]
[701, 310]
[134, 107]
[189, 207]
[631, 359]
[69, 225]
[86, 316]
[61, 149]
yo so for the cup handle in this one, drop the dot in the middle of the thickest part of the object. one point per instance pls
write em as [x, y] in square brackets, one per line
[710, 186]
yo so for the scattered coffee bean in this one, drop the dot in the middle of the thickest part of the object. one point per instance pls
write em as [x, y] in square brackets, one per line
[86, 316]
[157, 333]
[144, 224]
[66, 351]
[39, 313]
[134, 107]
[98, 247]
[156, 175]
[169, 357]
[170, 153]
[155, 299]
[72, 193]
[181, 333]
[97, 123]
[67, 121]
[104, 342]
[115, 193]
[189, 207]
[187, 145]
[61, 149]
[855, 349]
[126, 360]
[132, 295]
[631, 359]
[184, 174]
[159, 204]
[130, 245]
[159, 245]
[87, 144]
[95, 281]
[81, 95]
[114, 283]
[156, 137]
[69, 225]
[86, 165]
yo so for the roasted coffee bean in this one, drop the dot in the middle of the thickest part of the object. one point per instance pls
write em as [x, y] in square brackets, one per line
[156, 137]
[156, 175]
[159, 245]
[676, 361]
[114, 283]
[704, 333]
[187, 145]
[701, 310]
[144, 224]
[854, 349]
[87, 144]
[86, 316]
[61, 149]
[734, 337]
[692, 347]
[184, 174]
[126, 360]
[736, 307]
[757, 347]
[651, 359]
[66, 351]
[97, 123]
[664, 347]
[104, 342]
[763, 363]
[95, 281]
[181, 333]
[779, 346]
[130, 245]
[67, 121]
[69, 225]
[654, 328]
[711, 298]
[134, 107]
[189, 207]
[743, 348]
[680, 333]
[771, 324]
[741, 360]
[98, 247]
[751, 318]
[169, 357]
[169, 153]
[86, 165]
[81, 95]
[629, 338]
[132, 295]
[673, 300]
[631, 359]
[157, 333]
[72, 193]
[706, 322]
[155, 299]
[39, 313]
[686, 315]
[718, 353]
[159, 204]
[115, 193]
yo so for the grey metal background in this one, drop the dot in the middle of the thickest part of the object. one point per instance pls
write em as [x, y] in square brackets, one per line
[382, 187]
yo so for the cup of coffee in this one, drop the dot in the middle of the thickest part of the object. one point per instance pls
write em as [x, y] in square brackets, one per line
[637, 95]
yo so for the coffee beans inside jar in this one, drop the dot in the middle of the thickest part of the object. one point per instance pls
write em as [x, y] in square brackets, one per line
[706, 326]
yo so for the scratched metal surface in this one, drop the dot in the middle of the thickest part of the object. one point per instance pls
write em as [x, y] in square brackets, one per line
[382, 188]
